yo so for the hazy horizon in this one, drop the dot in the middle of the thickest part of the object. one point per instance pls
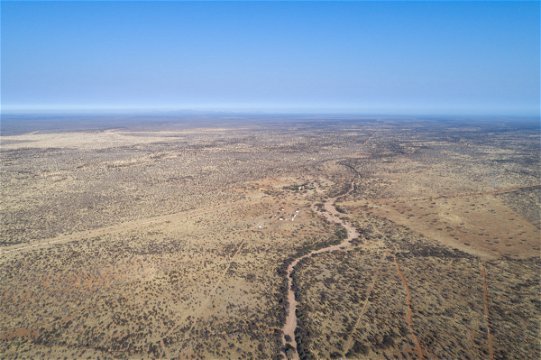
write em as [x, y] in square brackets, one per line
[367, 58]
[96, 111]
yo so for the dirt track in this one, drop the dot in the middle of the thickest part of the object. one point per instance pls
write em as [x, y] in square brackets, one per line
[349, 341]
[490, 340]
[409, 312]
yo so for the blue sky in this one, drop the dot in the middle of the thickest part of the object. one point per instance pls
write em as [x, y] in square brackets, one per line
[369, 57]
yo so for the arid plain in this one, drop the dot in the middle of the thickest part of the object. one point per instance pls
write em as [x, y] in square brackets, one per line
[303, 238]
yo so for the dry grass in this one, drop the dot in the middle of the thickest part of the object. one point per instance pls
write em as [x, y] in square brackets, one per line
[173, 243]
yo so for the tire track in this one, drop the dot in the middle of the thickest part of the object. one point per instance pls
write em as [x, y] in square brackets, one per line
[208, 298]
[111, 229]
[409, 312]
[490, 338]
[499, 191]
[349, 341]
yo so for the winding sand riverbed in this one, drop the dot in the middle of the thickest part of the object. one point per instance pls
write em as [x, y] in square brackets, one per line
[332, 215]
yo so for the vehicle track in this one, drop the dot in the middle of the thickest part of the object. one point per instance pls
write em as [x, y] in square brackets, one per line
[409, 311]
[208, 299]
[490, 338]
[466, 194]
[370, 290]
[110, 229]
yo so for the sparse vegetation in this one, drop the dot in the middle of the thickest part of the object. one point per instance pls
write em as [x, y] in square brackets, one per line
[175, 243]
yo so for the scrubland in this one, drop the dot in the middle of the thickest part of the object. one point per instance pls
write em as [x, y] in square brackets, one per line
[174, 243]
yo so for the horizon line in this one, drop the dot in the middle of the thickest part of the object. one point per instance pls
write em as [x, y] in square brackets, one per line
[261, 110]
